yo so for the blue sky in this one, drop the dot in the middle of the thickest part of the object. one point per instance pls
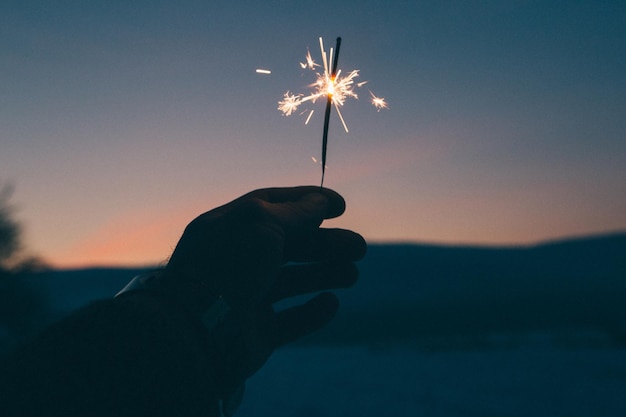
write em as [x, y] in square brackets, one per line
[121, 121]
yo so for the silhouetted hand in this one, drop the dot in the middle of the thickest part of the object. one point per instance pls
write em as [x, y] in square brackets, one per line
[235, 250]
[254, 251]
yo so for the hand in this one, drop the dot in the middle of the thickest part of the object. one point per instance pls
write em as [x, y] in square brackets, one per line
[259, 249]
[235, 251]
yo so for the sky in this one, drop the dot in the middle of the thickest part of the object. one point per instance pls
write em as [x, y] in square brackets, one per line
[121, 121]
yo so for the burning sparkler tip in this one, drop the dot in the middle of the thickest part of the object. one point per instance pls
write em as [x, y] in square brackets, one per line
[333, 86]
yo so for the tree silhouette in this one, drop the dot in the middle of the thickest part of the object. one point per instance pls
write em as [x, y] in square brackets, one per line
[22, 308]
[10, 230]
[12, 254]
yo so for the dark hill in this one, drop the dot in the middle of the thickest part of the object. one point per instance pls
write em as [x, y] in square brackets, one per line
[573, 291]
[427, 295]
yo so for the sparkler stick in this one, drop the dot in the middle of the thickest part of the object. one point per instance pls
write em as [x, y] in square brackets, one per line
[333, 85]
[329, 104]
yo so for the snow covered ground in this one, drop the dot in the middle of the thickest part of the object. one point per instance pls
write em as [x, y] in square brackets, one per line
[526, 381]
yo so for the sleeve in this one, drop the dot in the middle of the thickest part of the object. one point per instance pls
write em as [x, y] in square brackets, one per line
[135, 355]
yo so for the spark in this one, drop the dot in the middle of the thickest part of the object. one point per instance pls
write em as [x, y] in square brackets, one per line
[379, 102]
[309, 117]
[316, 161]
[290, 103]
[263, 71]
[309, 63]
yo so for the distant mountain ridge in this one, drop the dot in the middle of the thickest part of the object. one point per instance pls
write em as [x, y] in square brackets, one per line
[434, 295]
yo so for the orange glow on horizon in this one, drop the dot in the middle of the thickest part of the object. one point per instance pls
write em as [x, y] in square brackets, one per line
[129, 241]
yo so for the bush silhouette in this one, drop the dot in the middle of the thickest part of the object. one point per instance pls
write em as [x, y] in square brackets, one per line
[10, 230]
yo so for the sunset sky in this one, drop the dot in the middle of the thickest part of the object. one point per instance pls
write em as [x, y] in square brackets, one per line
[120, 121]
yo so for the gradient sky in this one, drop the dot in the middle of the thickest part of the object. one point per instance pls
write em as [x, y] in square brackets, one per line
[121, 121]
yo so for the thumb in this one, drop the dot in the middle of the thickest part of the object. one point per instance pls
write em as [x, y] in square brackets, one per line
[304, 214]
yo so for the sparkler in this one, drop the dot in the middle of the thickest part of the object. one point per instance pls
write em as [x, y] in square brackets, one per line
[330, 84]
[329, 104]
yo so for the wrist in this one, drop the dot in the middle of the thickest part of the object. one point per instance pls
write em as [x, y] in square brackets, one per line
[158, 282]
[195, 300]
